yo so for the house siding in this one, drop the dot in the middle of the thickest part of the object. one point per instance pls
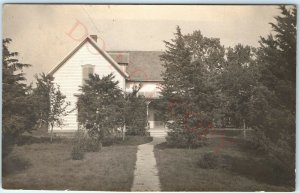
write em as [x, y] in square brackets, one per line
[69, 78]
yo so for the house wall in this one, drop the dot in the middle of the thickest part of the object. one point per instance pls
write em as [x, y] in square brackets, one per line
[69, 77]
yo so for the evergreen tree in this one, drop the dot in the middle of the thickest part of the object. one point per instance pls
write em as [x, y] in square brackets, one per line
[101, 107]
[273, 104]
[191, 63]
[17, 109]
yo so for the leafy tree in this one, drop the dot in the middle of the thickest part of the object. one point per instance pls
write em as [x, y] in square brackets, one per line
[58, 108]
[18, 115]
[191, 63]
[101, 107]
[237, 80]
[41, 95]
[135, 112]
[50, 103]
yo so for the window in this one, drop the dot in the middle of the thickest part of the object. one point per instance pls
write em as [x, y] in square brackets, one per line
[87, 69]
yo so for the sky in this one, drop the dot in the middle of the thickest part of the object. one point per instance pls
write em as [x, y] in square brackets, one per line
[44, 34]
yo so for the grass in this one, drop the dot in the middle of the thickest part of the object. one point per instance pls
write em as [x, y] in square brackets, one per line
[49, 166]
[131, 140]
[248, 171]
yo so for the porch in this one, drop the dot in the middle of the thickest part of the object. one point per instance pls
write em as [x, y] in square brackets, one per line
[156, 124]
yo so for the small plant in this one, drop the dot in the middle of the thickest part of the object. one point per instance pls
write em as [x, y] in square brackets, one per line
[208, 161]
[182, 138]
[92, 145]
[78, 145]
[77, 152]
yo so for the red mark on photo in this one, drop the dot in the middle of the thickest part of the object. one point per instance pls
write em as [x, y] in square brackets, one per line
[79, 32]
[78, 26]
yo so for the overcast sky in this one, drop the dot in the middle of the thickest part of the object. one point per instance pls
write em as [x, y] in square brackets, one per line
[43, 34]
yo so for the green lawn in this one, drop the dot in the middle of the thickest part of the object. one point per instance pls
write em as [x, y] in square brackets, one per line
[178, 169]
[49, 166]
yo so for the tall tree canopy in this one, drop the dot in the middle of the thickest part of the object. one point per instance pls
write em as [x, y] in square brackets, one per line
[273, 104]
[18, 115]
[191, 63]
[237, 80]
[17, 104]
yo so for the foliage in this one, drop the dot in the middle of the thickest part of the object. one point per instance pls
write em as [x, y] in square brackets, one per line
[50, 104]
[77, 153]
[179, 138]
[79, 143]
[237, 82]
[92, 145]
[17, 112]
[41, 96]
[135, 112]
[17, 116]
[191, 64]
[58, 108]
[208, 161]
[101, 107]
[272, 105]
[203, 84]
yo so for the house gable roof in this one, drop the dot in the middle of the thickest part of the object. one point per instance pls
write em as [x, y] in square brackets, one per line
[101, 51]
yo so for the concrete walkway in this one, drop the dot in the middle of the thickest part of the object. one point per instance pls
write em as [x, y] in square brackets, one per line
[146, 174]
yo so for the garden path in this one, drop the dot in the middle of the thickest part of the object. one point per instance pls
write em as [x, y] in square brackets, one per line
[146, 173]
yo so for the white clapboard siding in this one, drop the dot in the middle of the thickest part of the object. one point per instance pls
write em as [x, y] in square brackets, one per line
[69, 78]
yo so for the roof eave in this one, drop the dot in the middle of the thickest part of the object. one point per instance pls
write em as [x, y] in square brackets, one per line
[102, 52]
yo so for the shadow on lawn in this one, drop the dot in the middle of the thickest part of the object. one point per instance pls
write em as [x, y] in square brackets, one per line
[262, 170]
[28, 140]
[109, 141]
[14, 164]
[252, 163]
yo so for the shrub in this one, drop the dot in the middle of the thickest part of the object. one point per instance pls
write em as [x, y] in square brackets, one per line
[208, 161]
[182, 138]
[79, 142]
[108, 141]
[92, 145]
[77, 152]
[135, 112]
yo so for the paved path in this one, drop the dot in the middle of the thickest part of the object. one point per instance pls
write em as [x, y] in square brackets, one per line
[146, 174]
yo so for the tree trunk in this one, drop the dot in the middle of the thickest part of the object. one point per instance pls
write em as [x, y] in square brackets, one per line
[51, 133]
[244, 129]
[123, 133]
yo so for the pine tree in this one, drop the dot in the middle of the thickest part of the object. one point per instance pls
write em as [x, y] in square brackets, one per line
[277, 53]
[18, 115]
[273, 104]
[191, 63]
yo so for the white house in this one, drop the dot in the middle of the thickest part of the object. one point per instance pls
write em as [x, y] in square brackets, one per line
[129, 68]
